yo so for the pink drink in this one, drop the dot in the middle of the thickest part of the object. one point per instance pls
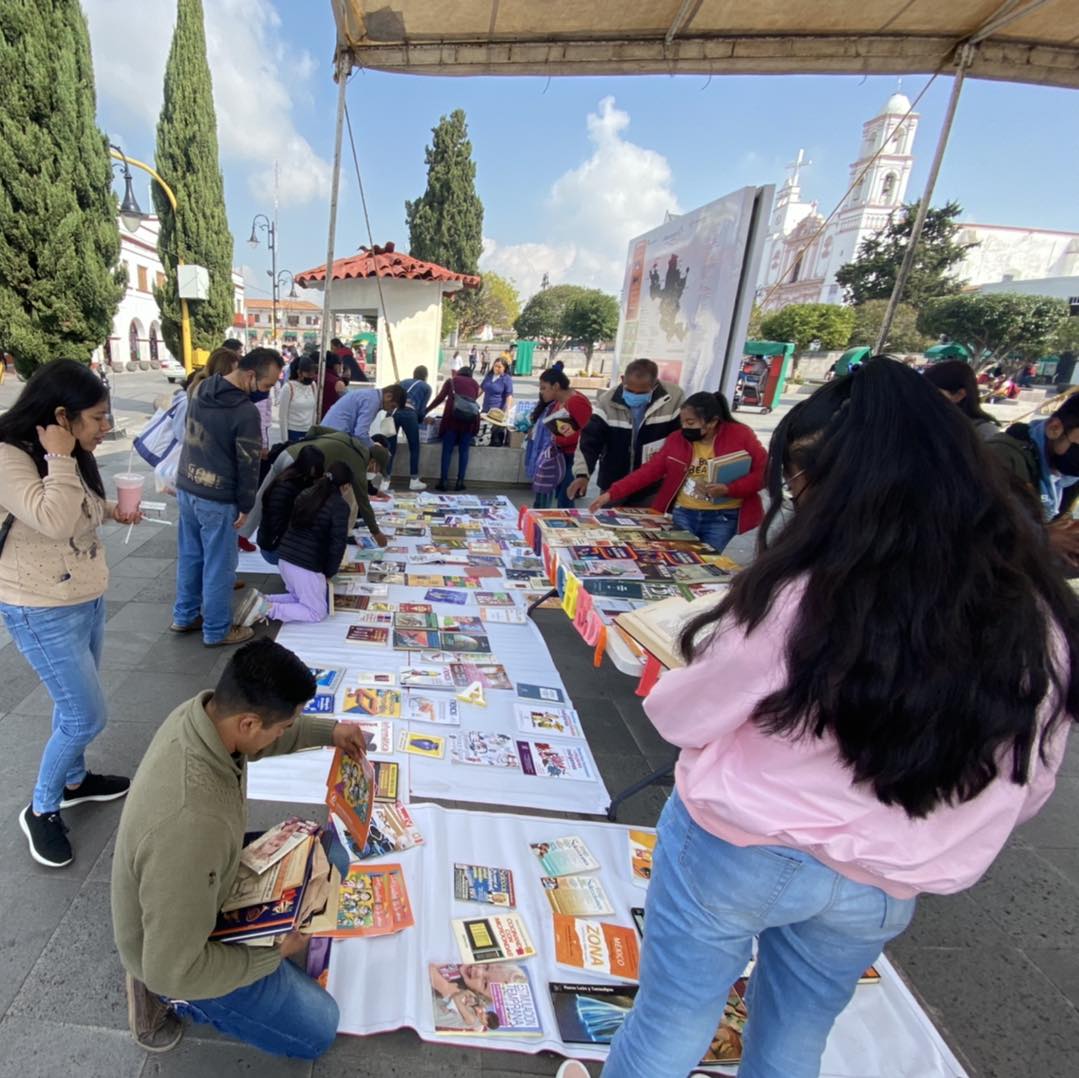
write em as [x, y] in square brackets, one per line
[129, 493]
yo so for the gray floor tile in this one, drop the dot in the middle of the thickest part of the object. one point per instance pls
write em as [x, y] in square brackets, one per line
[1064, 861]
[194, 1057]
[400, 1054]
[1055, 825]
[149, 695]
[603, 725]
[78, 974]
[124, 648]
[33, 907]
[619, 770]
[140, 617]
[17, 678]
[951, 921]
[1062, 968]
[39, 702]
[36, 1048]
[147, 568]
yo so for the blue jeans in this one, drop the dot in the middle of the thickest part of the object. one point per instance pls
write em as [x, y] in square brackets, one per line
[817, 932]
[716, 527]
[285, 1013]
[407, 420]
[206, 564]
[462, 441]
[63, 645]
[296, 436]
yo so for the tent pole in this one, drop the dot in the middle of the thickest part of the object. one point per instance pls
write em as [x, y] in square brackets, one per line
[964, 60]
[344, 66]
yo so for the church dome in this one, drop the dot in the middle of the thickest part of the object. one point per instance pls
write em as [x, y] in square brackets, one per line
[898, 105]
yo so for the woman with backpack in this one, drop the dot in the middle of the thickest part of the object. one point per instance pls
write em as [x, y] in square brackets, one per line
[713, 511]
[310, 552]
[562, 412]
[849, 735]
[460, 423]
[279, 497]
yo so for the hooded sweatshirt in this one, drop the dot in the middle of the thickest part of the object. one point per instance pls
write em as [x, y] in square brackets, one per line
[222, 445]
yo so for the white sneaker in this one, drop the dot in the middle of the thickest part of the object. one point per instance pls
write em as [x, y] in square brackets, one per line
[254, 608]
[415, 484]
[572, 1068]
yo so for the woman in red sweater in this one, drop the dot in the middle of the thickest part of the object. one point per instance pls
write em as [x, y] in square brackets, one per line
[714, 512]
[565, 411]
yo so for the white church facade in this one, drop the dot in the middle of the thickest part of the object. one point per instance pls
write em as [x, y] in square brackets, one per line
[807, 273]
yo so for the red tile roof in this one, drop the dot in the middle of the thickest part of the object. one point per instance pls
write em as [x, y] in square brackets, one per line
[385, 261]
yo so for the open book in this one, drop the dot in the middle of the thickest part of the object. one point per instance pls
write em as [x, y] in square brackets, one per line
[658, 626]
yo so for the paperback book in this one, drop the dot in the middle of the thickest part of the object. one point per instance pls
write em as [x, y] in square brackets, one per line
[427, 677]
[547, 694]
[564, 856]
[503, 615]
[495, 937]
[489, 675]
[368, 634]
[272, 845]
[501, 1004]
[596, 947]
[478, 883]
[555, 760]
[484, 749]
[350, 794]
[642, 844]
[552, 721]
[378, 703]
[372, 900]
[418, 744]
[439, 710]
[577, 896]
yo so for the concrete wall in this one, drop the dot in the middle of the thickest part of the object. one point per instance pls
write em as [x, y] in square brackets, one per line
[500, 466]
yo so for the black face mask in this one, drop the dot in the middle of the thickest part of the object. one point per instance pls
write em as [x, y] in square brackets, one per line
[692, 434]
[1066, 463]
[306, 381]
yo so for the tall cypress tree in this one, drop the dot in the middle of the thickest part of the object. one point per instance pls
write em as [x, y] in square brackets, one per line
[59, 241]
[445, 224]
[198, 233]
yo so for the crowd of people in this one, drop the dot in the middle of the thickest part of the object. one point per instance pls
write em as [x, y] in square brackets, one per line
[850, 736]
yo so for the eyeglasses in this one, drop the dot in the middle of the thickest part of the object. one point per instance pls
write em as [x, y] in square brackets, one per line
[789, 494]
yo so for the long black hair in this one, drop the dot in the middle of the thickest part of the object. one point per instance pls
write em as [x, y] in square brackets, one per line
[308, 466]
[923, 640]
[311, 500]
[553, 378]
[709, 406]
[953, 375]
[62, 383]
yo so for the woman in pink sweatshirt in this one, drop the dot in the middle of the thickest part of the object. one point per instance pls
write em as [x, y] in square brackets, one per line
[850, 734]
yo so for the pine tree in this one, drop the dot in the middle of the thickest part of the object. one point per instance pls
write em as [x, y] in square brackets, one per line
[59, 241]
[198, 233]
[445, 224]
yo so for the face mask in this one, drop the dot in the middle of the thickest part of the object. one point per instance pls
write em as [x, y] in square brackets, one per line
[692, 434]
[306, 381]
[635, 400]
[1066, 463]
[257, 395]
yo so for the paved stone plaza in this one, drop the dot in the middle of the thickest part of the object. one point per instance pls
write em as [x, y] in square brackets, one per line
[997, 968]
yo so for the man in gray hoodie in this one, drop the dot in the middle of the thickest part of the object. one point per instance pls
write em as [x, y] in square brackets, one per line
[216, 483]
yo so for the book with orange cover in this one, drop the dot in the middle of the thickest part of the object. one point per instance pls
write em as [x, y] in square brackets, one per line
[596, 947]
[350, 794]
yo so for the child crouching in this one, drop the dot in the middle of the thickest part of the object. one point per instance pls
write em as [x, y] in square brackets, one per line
[310, 552]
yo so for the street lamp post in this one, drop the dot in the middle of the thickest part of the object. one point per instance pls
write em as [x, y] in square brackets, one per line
[132, 217]
[261, 221]
[278, 284]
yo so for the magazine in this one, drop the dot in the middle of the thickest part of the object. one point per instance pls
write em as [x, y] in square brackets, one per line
[553, 721]
[489, 749]
[275, 843]
[419, 744]
[577, 896]
[392, 830]
[372, 900]
[440, 710]
[641, 846]
[250, 888]
[489, 675]
[493, 937]
[596, 947]
[555, 760]
[499, 1004]
[564, 856]
[477, 883]
[379, 703]
[327, 678]
[427, 677]
[350, 794]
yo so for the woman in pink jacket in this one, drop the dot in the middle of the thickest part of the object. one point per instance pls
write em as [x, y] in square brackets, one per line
[850, 734]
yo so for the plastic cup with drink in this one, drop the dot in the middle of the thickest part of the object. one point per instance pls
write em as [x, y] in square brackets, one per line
[129, 493]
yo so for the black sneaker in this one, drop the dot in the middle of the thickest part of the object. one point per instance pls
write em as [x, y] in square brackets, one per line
[460, 485]
[440, 485]
[47, 836]
[95, 788]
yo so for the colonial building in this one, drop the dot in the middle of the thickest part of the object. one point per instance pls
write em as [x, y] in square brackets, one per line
[135, 341]
[808, 273]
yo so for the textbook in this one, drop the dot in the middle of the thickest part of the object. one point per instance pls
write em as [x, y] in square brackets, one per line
[641, 847]
[503, 1007]
[478, 883]
[493, 937]
[729, 467]
[577, 896]
[596, 947]
[564, 856]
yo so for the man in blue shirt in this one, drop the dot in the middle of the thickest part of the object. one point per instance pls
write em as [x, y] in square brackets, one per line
[354, 412]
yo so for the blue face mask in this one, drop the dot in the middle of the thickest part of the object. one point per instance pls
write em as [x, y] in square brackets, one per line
[635, 400]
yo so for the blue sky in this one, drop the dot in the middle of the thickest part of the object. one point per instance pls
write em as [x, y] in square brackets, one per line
[567, 176]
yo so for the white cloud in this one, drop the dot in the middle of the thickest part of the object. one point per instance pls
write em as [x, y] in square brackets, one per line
[592, 212]
[255, 75]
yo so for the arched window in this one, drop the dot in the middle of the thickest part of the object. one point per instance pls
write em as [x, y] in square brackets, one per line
[153, 341]
[796, 272]
[887, 189]
[133, 341]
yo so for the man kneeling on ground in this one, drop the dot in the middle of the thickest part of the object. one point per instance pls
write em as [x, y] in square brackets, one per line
[178, 851]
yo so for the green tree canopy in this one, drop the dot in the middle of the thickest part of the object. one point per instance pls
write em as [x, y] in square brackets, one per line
[187, 160]
[872, 273]
[59, 242]
[904, 335]
[1066, 337]
[494, 303]
[543, 317]
[589, 318]
[805, 324]
[445, 224]
[996, 327]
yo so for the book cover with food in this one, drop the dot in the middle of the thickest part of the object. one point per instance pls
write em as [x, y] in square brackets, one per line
[480, 883]
[596, 947]
[495, 937]
[496, 1001]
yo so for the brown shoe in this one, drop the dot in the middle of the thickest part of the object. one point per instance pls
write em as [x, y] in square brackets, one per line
[238, 634]
[152, 1023]
[238, 585]
[196, 624]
